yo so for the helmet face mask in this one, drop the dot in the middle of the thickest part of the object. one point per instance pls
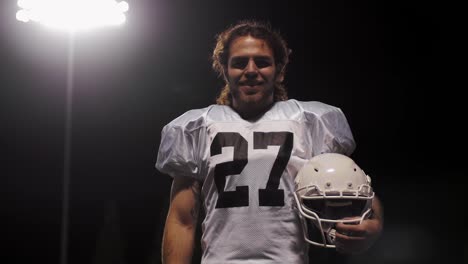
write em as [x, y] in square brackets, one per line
[335, 209]
[331, 189]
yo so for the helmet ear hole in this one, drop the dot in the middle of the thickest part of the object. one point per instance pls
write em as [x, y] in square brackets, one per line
[316, 170]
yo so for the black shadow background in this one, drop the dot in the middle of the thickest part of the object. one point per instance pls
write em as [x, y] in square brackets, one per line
[384, 64]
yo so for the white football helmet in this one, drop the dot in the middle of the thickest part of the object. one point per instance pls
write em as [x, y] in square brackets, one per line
[331, 188]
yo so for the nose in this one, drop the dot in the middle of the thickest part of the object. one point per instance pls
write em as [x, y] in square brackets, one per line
[251, 71]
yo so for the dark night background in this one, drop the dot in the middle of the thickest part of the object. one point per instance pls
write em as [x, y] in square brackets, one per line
[378, 62]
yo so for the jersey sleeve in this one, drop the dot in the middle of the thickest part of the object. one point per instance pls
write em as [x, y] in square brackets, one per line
[329, 129]
[178, 152]
[338, 137]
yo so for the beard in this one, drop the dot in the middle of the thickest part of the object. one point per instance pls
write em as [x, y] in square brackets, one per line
[252, 102]
[252, 96]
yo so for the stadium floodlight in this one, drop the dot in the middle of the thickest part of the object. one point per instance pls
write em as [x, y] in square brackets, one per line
[73, 15]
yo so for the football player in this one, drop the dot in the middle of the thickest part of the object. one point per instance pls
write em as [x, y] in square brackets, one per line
[240, 157]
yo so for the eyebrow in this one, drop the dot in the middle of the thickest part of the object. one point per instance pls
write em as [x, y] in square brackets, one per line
[263, 57]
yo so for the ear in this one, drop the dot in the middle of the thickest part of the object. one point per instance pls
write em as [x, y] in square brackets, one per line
[226, 80]
[280, 75]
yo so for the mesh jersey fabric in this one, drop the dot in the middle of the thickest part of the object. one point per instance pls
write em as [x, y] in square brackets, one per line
[247, 169]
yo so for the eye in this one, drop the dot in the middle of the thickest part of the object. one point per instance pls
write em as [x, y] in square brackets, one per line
[262, 63]
[239, 63]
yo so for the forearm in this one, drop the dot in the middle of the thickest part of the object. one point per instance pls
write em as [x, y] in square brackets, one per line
[178, 242]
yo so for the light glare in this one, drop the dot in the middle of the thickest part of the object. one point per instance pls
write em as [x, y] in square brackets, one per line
[22, 16]
[73, 15]
[26, 4]
[123, 6]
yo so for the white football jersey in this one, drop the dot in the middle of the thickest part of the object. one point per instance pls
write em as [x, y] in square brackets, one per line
[247, 169]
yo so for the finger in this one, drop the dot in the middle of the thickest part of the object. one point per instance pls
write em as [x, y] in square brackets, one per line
[345, 238]
[356, 230]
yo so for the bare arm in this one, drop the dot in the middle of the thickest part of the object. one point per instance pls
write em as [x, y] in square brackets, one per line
[358, 238]
[181, 221]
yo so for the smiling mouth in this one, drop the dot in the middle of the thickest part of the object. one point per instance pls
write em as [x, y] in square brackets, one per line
[250, 86]
[250, 83]
[249, 89]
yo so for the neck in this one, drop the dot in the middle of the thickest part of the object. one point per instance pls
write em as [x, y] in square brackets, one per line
[252, 111]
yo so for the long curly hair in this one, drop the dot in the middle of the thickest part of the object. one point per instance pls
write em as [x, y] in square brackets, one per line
[259, 30]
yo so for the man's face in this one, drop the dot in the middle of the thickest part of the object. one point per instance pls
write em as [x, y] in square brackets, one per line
[251, 73]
